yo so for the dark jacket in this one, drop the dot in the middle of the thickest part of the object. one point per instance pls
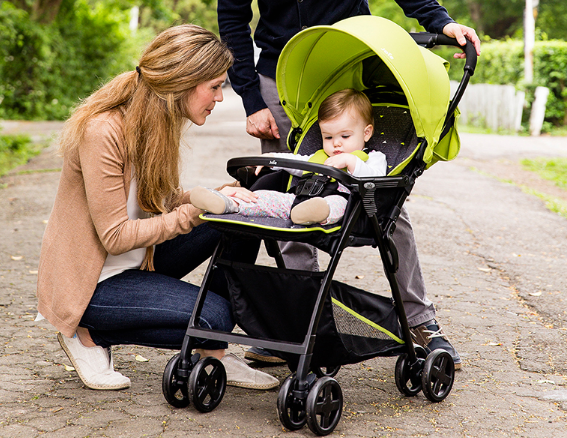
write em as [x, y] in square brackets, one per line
[282, 19]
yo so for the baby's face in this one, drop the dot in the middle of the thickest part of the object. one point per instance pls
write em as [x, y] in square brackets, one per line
[345, 133]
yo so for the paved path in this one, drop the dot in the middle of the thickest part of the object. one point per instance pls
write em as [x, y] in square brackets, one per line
[494, 262]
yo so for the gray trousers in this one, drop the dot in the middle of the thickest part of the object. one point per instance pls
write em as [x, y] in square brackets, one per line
[301, 256]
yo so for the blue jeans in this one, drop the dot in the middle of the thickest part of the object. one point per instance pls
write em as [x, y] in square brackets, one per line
[153, 308]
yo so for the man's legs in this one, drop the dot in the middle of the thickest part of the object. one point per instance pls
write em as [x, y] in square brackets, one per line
[420, 311]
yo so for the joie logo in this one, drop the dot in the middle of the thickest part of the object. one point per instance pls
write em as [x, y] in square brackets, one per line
[273, 162]
[388, 53]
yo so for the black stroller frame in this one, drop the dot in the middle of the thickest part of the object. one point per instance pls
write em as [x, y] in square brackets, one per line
[315, 397]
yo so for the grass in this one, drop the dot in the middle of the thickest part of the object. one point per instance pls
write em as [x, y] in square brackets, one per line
[16, 150]
[554, 169]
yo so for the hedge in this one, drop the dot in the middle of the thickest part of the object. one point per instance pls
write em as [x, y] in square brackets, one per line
[502, 62]
[46, 69]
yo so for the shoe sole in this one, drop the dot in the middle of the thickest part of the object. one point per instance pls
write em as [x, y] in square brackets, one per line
[206, 200]
[259, 358]
[252, 385]
[78, 369]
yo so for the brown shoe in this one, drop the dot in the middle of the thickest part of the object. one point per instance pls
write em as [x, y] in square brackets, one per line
[431, 337]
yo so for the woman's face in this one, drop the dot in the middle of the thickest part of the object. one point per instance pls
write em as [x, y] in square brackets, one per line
[202, 99]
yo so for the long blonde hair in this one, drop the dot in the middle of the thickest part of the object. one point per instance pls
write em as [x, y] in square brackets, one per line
[153, 103]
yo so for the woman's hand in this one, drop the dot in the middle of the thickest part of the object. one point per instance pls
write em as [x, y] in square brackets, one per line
[239, 193]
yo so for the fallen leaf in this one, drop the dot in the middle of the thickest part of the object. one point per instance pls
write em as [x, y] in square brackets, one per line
[68, 368]
[141, 358]
[16, 257]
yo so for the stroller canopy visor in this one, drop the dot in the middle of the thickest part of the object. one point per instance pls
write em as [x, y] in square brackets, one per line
[324, 59]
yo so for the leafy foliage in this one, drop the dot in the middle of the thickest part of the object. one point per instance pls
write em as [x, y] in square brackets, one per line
[15, 150]
[46, 69]
[502, 62]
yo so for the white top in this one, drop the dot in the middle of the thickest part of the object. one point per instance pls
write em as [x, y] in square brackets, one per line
[116, 264]
[133, 259]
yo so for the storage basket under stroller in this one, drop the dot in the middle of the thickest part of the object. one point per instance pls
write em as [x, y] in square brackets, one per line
[314, 322]
[276, 303]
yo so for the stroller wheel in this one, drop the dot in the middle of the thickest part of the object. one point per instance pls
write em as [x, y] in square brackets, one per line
[324, 406]
[438, 375]
[207, 384]
[174, 389]
[326, 371]
[291, 410]
[407, 378]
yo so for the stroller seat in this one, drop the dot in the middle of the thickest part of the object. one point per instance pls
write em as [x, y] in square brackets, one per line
[394, 135]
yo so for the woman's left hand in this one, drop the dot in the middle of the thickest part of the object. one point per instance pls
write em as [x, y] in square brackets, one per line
[240, 193]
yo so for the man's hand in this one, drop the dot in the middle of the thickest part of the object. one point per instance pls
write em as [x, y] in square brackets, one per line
[460, 32]
[262, 124]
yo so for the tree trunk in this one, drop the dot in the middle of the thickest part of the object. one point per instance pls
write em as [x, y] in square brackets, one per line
[45, 11]
[475, 9]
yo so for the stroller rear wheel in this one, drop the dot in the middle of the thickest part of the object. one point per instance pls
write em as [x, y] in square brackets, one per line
[326, 371]
[207, 384]
[174, 389]
[438, 375]
[407, 377]
[291, 410]
[324, 406]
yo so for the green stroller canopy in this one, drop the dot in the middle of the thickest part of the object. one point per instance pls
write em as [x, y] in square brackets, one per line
[324, 59]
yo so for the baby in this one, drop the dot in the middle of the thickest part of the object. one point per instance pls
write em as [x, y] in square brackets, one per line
[347, 123]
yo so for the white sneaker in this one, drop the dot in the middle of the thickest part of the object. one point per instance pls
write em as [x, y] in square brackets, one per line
[238, 373]
[93, 364]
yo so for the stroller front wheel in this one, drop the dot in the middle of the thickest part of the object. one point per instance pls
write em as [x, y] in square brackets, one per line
[207, 384]
[438, 375]
[174, 389]
[407, 377]
[324, 406]
[291, 410]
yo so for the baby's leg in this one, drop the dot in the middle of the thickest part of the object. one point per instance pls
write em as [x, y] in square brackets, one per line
[268, 204]
[337, 207]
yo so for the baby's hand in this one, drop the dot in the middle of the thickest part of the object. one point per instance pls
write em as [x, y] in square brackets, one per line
[341, 161]
[259, 168]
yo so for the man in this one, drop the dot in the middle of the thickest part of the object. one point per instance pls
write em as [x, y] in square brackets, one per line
[279, 21]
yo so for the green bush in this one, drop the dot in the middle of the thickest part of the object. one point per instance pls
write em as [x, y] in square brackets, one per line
[46, 69]
[502, 62]
[15, 150]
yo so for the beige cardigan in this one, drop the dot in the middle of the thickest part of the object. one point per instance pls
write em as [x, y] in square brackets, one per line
[89, 220]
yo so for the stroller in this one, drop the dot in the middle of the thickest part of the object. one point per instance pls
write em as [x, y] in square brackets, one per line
[314, 322]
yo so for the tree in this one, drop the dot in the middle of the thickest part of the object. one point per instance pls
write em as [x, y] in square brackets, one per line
[494, 18]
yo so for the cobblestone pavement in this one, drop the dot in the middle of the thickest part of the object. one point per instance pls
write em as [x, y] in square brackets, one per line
[492, 255]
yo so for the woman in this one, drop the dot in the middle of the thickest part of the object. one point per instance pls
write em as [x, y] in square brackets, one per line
[101, 283]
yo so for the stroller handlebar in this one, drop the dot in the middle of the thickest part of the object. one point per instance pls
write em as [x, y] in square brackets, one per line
[429, 40]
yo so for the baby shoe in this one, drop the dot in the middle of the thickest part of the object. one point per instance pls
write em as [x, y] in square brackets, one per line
[212, 201]
[93, 364]
[312, 211]
[238, 373]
